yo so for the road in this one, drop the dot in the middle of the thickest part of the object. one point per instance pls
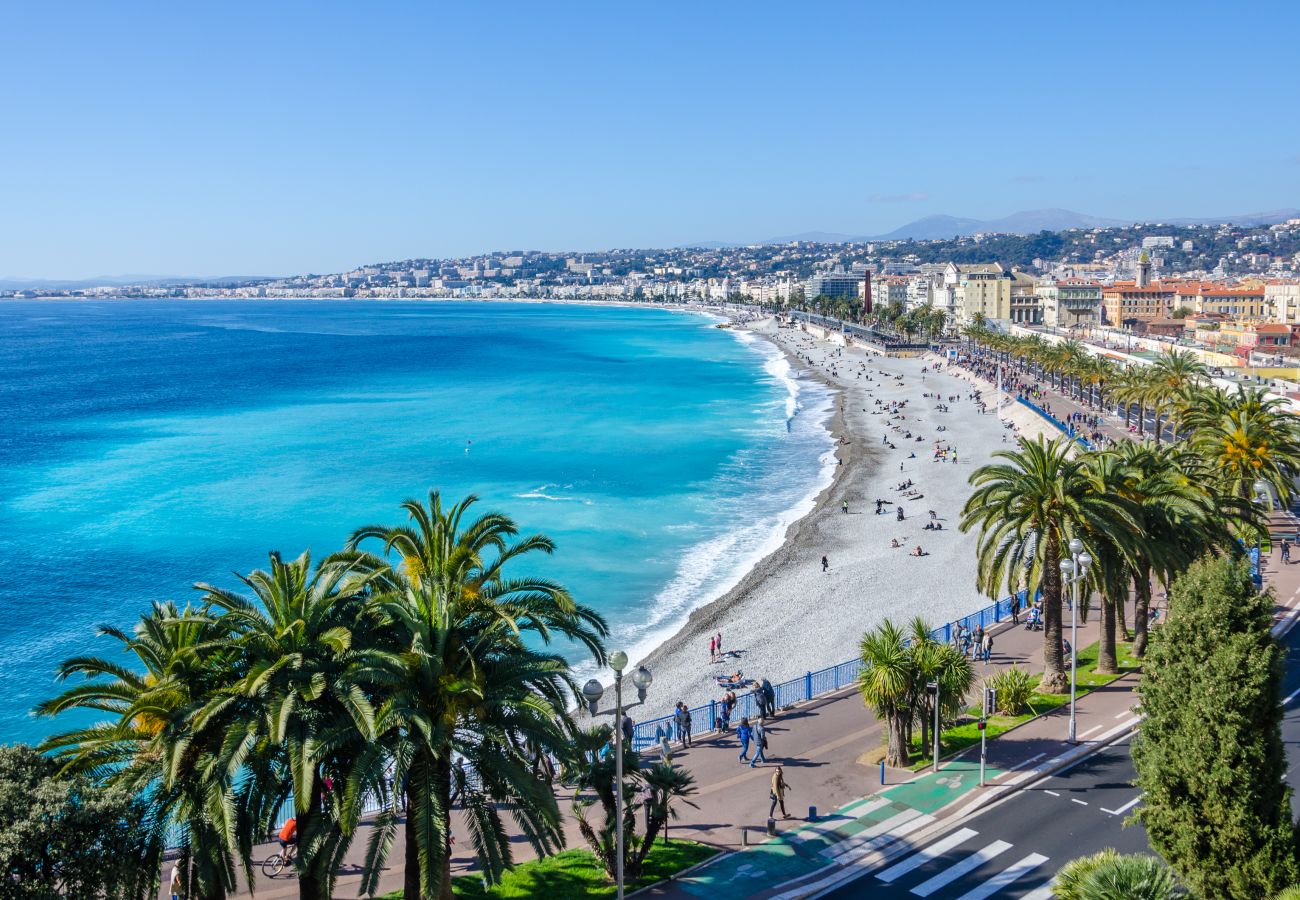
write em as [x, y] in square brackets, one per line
[1013, 849]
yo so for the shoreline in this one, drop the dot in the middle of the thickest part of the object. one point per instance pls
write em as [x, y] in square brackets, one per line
[785, 616]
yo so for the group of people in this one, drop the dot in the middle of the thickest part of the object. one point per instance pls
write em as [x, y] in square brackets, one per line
[976, 643]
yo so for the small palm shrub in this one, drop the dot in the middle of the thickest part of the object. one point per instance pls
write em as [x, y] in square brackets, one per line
[1014, 686]
[1109, 875]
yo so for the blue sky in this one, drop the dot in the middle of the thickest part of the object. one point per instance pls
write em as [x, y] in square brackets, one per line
[269, 138]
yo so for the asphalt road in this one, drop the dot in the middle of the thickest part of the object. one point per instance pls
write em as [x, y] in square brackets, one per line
[1013, 849]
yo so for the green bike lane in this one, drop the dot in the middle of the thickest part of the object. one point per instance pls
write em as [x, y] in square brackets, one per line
[837, 837]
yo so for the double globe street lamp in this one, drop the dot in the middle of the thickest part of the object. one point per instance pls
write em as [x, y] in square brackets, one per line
[592, 691]
[1073, 571]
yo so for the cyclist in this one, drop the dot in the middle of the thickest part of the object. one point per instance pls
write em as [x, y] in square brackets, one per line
[289, 835]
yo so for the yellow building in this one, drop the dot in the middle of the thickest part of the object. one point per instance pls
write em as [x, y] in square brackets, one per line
[983, 288]
[1124, 302]
[1238, 303]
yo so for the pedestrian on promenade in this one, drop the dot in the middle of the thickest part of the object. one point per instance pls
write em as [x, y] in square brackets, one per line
[777, 793]
[759, 703]
[683, 717]
[628, 727]
[760, 744]
[1015, 610]
[769, 697]
[666, 749]
[988, 645]
[1286, 552]
[745, 733]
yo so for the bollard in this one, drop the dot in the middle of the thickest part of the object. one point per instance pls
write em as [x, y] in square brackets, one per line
[771, 826]
[812, 814]
[744, 836]
[882, 771]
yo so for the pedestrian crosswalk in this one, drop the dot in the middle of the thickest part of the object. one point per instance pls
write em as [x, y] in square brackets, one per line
[959, 865]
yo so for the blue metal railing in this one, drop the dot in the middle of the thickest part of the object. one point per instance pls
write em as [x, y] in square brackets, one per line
[707, 718]
[1067, 429]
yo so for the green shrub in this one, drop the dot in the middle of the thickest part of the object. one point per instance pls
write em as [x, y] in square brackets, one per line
[1014, 686]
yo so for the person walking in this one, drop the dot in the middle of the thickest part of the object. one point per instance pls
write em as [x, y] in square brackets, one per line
[1015, 609]
[176, 886]
[1286, 552]
[683, 717]
[777, 793]
[987, 645]
[745, 733]
[760, 745]
[769, 697]
[845, 506]
[826, 563]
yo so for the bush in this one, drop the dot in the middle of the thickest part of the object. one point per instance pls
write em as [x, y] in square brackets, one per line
[1014, 686]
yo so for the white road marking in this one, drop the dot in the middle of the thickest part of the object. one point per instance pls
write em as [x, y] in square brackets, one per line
[953, 872]
[1124, 713]
[865, 836]
[935, 850]
[816, 831]
[1017, 766]
[1053, 793]
[1289, 697]
[1125, 808]
[1005, 877]
[1090, 731]
[1042, 893]
[1078, 801]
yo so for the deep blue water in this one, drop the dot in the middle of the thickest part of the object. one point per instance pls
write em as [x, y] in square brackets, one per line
[145, 446]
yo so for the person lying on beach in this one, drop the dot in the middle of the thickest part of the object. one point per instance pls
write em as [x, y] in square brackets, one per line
[895, 543]
[917, 551]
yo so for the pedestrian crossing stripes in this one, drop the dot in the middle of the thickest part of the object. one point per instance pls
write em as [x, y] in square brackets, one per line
[957, 870]
[937, 849]
[1005, 877]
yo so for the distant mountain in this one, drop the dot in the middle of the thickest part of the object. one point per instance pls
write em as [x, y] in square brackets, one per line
[943, 227]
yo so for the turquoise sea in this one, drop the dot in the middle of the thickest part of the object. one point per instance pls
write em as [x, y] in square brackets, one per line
[147, 445]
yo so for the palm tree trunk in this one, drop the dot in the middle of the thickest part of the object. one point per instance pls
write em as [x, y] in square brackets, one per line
[313, 884]
[1054, 679]
[442, 783]
[1107, 661]
[411, 860]
[1142, 591]
[898, 754]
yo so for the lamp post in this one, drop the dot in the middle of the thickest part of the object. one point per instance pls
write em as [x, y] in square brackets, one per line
[1265, 501]
[933, 689]
[592, 691]
[1073, 571]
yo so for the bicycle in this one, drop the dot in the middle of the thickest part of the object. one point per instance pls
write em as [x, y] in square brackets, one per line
[278, 862]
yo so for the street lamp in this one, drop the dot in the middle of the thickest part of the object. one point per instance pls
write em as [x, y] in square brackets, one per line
[1073, 571]
[1265, 501]
[592, 691]
[932, 688]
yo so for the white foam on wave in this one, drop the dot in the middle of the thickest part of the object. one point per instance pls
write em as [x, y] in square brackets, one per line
[539, 493]
[714, 566]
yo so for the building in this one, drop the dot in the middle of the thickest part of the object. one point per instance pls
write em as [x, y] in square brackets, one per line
[982, 289]
[1241, 304]
[1157, 240]
[1026, 306]
[1069, 302]
[889, 289]
[1125, 303]
[1282, 298]
[832, 284]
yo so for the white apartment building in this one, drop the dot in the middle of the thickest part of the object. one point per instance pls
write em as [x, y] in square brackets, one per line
[1283, 298]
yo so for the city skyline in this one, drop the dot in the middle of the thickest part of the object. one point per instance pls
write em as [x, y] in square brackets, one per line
[271, 142]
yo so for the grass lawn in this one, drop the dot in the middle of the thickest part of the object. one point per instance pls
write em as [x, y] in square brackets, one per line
[966, 733]
[574, 873]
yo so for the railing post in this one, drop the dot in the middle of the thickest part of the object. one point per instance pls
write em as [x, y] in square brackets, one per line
[713, 715]
[807, 685]
[997, 612]
[947, 633]
[836, 670]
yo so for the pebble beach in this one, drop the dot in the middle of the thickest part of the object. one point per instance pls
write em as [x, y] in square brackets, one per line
[789, 614]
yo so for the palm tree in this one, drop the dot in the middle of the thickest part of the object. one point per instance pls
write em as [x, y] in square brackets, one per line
[145, 745]
[667, 784]
[1027, 509]
[298, 715]
[1244, 437]
[940, 663]
[468, 686]
[888, 685]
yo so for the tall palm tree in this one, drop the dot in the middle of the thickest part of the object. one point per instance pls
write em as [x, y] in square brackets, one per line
[145, 743]
[469, 686]
[1027, 509]
[298, 716]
